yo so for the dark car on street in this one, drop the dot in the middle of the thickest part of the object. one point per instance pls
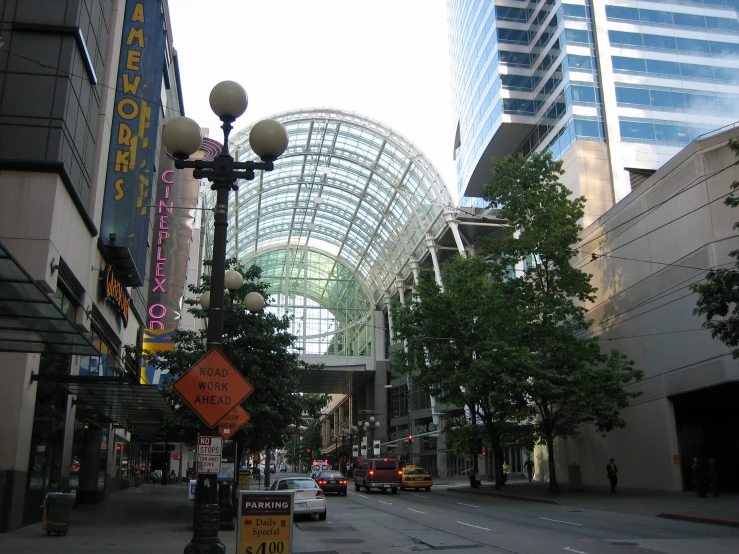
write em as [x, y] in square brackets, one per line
[332, 481]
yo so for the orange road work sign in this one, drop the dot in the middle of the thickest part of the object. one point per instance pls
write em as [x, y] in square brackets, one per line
[213, 387]
[232, 422]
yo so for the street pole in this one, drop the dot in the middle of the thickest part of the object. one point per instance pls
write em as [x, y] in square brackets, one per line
[182, 137]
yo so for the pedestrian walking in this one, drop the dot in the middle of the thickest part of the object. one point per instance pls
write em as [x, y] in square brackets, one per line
[506, 471]
[713, 475]
[529, 465]
[612, 472]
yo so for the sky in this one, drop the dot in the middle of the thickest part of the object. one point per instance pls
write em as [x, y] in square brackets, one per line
[385, 59]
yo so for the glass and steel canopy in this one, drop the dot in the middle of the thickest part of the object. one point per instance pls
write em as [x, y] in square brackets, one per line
[347, 207]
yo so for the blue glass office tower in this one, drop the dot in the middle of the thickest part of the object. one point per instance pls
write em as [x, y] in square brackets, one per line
[613, 88]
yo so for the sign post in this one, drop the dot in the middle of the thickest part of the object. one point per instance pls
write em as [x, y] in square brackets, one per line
[265, 522]
[209, 454]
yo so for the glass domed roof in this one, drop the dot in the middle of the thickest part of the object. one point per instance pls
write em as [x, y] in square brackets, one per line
[347, 207]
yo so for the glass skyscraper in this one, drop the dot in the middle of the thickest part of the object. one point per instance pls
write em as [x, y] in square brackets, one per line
[614, 88]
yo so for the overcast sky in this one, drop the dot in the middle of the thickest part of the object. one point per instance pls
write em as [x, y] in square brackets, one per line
[386, 59]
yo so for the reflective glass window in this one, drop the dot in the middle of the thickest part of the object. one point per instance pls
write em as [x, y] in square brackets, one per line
[659, 41]
[722, 24]
[510, 14]
[578, 36]
[726, 73]
[580, 62]
[515, 59]
[666, 99]
[628, 95]
[572, 10]
[703, 102]
[621, 37]
[671, 133]
[515, 36]
[662, 67]
[693, 45]
[637, 130]
[724, 48]
[583, 94]
[620, 12]
[588, 128]
[518, 105]
[689, 20]
[621, 63]
[516, 82]
[654, 16]
[696, 71]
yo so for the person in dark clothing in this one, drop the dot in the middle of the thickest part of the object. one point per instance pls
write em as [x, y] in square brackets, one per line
[612, 472]
[700, 475]
[529, 465]
[713, 475]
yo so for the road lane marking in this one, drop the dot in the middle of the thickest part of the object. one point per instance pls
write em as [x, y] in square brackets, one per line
[576, 551]
[417, 511]
[383, 502]
[560, 521]
[475, 526]
[360, 495]
[470, 505]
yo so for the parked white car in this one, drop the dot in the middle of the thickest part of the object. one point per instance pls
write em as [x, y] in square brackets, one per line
[309, 498]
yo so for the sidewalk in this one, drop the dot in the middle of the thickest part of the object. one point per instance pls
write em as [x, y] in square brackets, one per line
[723, 510]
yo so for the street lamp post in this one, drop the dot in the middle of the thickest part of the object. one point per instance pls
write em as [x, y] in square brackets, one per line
[369, 428]
[182, 137]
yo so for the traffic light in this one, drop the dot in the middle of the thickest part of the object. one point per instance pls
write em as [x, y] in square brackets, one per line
[410, 439]
[307, 450]
[118, 447]
[484, 452]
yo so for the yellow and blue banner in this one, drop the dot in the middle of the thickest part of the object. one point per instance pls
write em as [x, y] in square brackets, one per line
[131, 161]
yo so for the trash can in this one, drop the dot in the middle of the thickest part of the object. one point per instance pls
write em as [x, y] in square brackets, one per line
[58, 508]
[191, 489]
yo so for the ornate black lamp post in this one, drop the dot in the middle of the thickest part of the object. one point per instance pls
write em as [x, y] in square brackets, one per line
[182, 138]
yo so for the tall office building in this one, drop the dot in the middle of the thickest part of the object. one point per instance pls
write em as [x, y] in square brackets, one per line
[613, 88]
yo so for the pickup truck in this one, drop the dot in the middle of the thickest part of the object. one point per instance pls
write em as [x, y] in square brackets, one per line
[378, 473]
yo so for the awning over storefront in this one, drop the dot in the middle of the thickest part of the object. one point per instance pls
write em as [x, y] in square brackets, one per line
[30, 320]
[112, 400]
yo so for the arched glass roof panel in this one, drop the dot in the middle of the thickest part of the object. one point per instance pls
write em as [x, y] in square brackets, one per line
[348, 189]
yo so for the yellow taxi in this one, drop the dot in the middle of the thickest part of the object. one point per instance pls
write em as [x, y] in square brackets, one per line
[415, 477]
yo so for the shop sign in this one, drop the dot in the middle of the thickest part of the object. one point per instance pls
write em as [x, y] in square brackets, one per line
[209, 455]
[265, 522]
[134, 128]
[116, 293]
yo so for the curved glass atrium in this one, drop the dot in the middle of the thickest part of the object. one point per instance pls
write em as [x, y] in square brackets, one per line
[348, 206]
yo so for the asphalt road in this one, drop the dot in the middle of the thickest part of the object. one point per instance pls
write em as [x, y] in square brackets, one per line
[455, 523]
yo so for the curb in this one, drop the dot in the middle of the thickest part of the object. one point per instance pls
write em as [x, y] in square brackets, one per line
[502, 495]
[700, 519]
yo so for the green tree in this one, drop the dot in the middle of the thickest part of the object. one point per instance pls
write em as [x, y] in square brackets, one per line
[718, 297]
[565, 378]
[457, 352]
[258, 345]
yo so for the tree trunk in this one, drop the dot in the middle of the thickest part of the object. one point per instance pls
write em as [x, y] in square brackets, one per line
[498, 459]
[553, 485]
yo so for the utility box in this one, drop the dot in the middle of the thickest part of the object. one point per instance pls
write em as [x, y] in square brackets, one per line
[575, 475]
[58, 508]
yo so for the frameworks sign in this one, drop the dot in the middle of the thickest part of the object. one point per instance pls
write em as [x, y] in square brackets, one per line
[212, 387]
[209, 454]
[265, 522]
[135, 124]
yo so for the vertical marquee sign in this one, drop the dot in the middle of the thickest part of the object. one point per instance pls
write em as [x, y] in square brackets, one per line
[131, 159]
